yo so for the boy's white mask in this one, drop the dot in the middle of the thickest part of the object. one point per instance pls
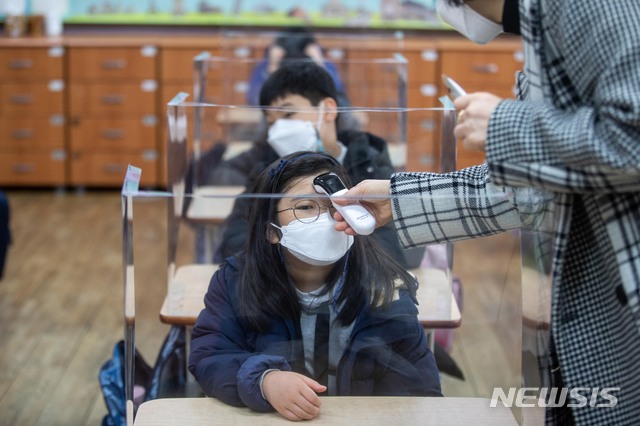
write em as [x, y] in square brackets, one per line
[468, 22]
[287, 136]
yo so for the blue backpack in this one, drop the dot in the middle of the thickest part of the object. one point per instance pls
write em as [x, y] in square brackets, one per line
[167, 378]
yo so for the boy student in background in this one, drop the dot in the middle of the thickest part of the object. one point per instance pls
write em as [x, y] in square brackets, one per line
[308, 310]
[302, 113]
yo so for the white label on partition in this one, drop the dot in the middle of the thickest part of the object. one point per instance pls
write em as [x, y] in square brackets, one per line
[131, 180]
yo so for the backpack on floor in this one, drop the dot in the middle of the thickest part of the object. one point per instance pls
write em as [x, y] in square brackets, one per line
[167, 378]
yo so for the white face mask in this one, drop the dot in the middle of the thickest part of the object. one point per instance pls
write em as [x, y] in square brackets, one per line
[316, 243]
[468, 22]
[287, 136]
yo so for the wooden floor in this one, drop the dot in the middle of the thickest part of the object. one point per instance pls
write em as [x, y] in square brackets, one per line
[61, 305]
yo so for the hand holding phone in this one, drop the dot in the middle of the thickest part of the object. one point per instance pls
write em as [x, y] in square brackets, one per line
[454, 88]
[356, 215]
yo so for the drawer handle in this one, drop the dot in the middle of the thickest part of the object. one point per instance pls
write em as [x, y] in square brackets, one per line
[24, 168]
[22, 134]
[21, 99]
[21, 64]
[113, 99]
[486, 68]
[113, 169]
[113, 134]
[114, 64]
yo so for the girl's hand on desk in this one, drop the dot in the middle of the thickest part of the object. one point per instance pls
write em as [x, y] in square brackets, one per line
[293, 395]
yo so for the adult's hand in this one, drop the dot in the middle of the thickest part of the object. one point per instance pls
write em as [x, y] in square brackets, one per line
[293, 395]
[473, 118]
[374, 196]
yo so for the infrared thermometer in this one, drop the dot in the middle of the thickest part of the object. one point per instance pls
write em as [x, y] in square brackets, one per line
[454, 88]
[356, 215]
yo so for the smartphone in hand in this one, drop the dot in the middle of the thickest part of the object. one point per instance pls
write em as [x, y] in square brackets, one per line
[454, 88]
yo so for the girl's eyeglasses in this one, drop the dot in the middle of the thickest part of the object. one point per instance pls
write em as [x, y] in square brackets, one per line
[308, 211]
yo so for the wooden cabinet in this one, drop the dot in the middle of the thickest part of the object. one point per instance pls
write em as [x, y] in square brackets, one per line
[77, 110]
[489, 68]
[32, 120]
[113, 94]
[423, 137]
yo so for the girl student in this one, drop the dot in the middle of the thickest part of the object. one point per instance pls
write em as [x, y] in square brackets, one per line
[306, 309]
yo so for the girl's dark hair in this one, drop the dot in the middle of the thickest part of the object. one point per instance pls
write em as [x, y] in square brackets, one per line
[265, 290]
[455, 2]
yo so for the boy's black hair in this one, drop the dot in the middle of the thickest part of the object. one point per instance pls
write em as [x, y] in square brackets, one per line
[264, 289]
[455, 2]
[303, 78]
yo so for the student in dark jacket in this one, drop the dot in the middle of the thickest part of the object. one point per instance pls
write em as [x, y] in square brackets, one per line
[307, 310]
[302, 115]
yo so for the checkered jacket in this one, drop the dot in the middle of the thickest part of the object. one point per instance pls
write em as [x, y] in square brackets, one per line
[582, 145]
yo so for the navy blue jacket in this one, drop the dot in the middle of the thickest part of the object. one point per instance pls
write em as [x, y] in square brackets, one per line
[387, 353]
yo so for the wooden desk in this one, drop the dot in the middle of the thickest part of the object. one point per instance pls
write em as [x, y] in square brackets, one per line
[209, 207]
[185, 297]
[212, 204]
[335, 411]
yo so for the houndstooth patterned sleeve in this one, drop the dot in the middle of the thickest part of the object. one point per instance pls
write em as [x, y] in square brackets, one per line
[433, 208]
[586, 137]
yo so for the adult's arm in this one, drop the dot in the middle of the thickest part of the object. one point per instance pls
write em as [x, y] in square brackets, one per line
[433, 208]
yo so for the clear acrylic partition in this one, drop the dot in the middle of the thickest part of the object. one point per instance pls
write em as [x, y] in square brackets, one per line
[340, 53]
[494, 334]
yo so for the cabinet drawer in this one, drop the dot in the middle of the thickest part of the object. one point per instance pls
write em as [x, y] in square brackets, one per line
[112, 63]
[32, 168]
[107, 134]
[170, 90]
[423, 95]
[19, 99]
[234, 73]
[100, 169]
[221, 94]
[177, 64]
[423, 138]
[376, 96]
[113, 99]
[31, 63]
[24, 134]
[378, 67]
[480, 67]
[423, 65]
